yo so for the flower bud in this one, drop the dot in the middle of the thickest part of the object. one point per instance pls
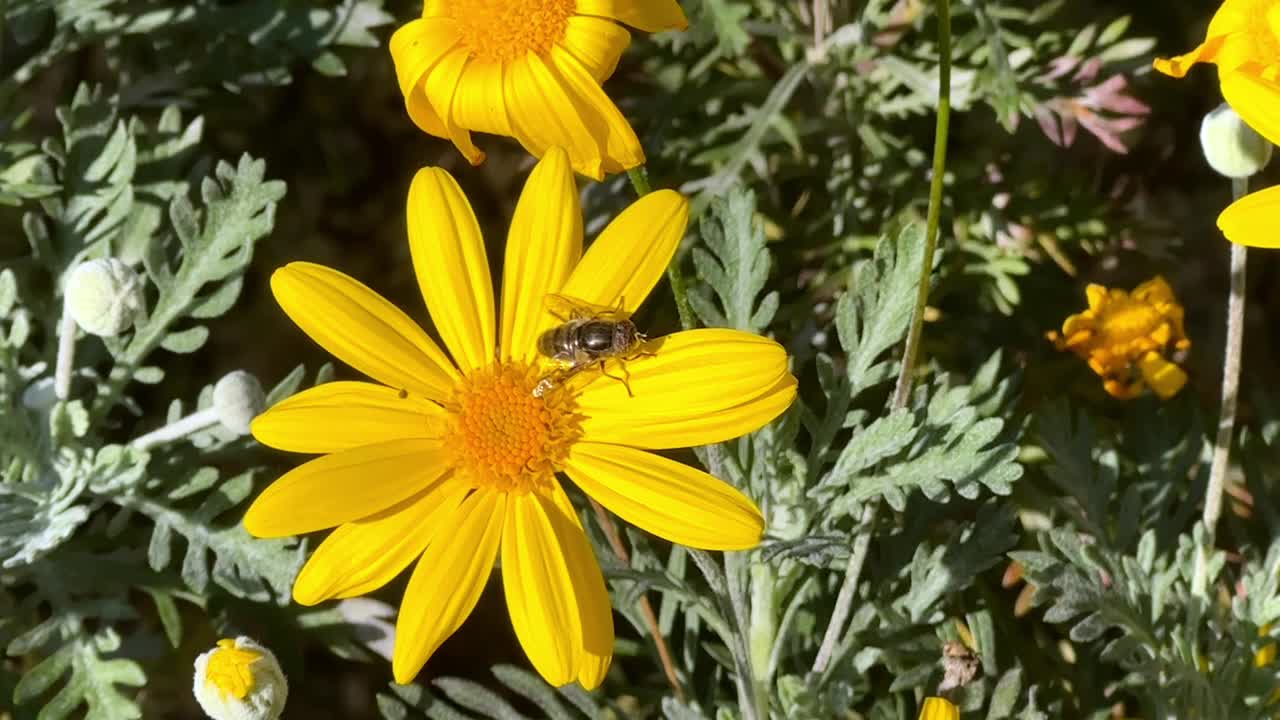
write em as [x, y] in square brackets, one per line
[103, 296]
[1231, 147]
[240, 680]
[238, 399]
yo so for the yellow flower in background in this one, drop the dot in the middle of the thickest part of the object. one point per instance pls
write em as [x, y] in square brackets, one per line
[451, 462]
[936, 708]
[1243, 40]
[1125, 337]
[528, 69]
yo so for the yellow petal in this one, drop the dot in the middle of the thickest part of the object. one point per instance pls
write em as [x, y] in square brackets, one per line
[544, 116]
[596, 43]
[423, 115]
[701, 387]
[540, 590]
[1163, 376]
[1251, 220]
[363, 329]
[543, 245]
[343, 415]
[447, 582]
[588, 583]
[648, 15]
[441, 85]
[603, 120]
[417, 47]
[452, 268]
[935, 708]
[362, 556]
[345, 486]
[632, 253]
[478, 102]
[1255, 99]
[1178, 66]
[666, 498]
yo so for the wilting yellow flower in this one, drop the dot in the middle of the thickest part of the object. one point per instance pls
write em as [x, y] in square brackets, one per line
[530, 69]
[1124, 337]
[1243, 40]
[450, 462]
[936, 708]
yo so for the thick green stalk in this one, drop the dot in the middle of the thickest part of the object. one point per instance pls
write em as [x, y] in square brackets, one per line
[902, 392]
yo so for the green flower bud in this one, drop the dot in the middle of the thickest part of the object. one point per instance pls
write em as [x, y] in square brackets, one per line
[237, 400]
[1232, 148]
[240, 680]
[103, 296]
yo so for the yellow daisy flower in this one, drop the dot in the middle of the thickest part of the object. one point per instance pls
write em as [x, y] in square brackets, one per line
[936, 708]
[528, 69]
[1243, 40]
[1124, 337]
[452, 462]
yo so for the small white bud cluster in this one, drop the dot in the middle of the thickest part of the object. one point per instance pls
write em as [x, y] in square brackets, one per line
[237, 399]
[1232, 148]
[240, 680]
[104, 296]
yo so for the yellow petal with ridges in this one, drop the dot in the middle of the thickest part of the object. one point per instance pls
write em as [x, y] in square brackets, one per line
[447, 582]
[362, 556]
[632, 252]
[603, 120]
[452, 268]
[345, 486]
[700, 387]
[363, 329]
[417, 46]
[647, 15]
[1251, 220]
[936, 708]
[478, 102]
[596, 43]
[594, 609]
[543, 245]
[540, 590]
[664, 497]
[543, 115]
[1255, 99]
[441, 87]
[339, 416]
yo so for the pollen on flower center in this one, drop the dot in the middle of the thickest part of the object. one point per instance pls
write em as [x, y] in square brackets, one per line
[229, 670]
[501, 30]
[505, 437]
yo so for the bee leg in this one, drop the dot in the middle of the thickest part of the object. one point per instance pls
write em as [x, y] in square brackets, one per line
[625, 383]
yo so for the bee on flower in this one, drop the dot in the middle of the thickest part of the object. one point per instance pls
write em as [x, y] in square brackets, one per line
[527, 69]
[449, 460]
[1127, 338]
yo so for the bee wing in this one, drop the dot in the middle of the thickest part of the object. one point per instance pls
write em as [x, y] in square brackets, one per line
[568, 308]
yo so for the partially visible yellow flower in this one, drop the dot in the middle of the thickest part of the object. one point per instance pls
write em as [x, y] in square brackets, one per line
[449, 462]
[1266, 654]
[936, 708]
[240, 680]
[1243, 40]
[528, 69]
[1125, 337]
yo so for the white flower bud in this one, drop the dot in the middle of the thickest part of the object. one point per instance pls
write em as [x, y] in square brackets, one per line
[104, 296]
[1232, 148]
[240, 680]
[238, 399]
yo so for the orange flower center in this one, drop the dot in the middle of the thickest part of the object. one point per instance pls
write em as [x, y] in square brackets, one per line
[502, 30]
[228, 669]
[1123, 320]
[504, 436]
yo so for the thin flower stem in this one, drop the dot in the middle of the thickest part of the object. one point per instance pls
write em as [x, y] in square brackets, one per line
[646, 608]
[177, 429]
[1227, 414]
[732, 604]
[66, 360]
[902, 391]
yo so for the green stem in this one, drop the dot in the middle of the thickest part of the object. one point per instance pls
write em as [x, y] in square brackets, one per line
[1227, 414]
[902, 392]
